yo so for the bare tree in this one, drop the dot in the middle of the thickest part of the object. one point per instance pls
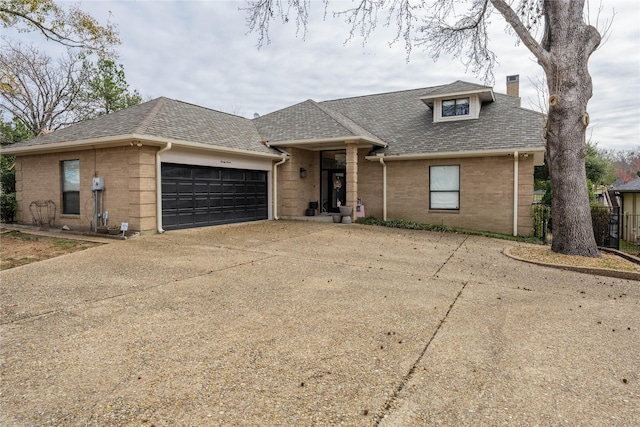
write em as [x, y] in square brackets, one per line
[42, 93]
[556, 32]
[69, 26]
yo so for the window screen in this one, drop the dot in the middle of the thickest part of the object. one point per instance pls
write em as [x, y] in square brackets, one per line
[444, 187]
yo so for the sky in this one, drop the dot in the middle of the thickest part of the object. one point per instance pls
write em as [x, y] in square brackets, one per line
[201, 52]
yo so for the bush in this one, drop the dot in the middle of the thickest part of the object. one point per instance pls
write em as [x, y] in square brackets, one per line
[8, 207]
[541, 220]
[7, 180]
[600, 217]
[410, 225]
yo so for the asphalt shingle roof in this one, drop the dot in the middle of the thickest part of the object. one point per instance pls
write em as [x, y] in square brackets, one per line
[163, 118]
[406, 123]
[399, 119]
[630, 186]
[307, 120]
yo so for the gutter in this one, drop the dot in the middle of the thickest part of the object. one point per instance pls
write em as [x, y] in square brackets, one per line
[119, 140]
[515, 193]
[339, 140]
[384, 188]
[275, 186]
[455, 154]
[159, 187]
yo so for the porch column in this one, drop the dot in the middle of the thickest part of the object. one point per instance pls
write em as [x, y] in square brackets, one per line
[352, 176]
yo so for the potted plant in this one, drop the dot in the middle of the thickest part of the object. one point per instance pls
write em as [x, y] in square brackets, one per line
[114, 229]
[346, 210]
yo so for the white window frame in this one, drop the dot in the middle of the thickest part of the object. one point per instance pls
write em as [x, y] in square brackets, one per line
[457, 106]
[70, 184]
[474, 108]
[444, 187]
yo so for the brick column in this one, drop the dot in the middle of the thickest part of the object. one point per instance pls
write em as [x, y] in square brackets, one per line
[352, 176]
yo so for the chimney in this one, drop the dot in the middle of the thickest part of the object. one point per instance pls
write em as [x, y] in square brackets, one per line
[513, 85]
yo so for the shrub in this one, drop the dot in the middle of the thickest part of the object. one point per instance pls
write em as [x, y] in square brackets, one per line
[541, 218]
[600, 217]
[8, 207]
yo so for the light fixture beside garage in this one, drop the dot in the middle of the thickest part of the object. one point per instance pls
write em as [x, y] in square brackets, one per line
[303, 173]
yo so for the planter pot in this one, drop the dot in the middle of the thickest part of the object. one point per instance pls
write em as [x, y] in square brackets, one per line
[346, 210]
[337, 218]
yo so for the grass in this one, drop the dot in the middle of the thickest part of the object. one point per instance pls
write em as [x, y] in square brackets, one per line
[60, 243]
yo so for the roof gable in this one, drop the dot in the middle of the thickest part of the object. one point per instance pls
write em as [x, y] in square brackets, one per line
[308, 120]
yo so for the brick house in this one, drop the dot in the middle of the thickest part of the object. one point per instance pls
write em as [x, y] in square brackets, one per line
[458, 155]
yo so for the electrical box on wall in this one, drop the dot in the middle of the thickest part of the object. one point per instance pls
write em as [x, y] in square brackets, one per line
[98, 184]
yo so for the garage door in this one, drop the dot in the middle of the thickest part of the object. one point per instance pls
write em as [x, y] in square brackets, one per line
[197, 196]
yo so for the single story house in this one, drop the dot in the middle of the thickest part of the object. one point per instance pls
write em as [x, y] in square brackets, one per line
[630, 202]
[457, 154]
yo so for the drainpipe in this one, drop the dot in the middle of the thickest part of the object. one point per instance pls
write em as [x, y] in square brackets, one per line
[275, 186]
[384, 188]
[159, 187]
[515, 193]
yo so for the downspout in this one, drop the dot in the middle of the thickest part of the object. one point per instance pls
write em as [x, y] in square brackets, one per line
[275, 186]
[159, 187]
[384, 188]
[515, 193]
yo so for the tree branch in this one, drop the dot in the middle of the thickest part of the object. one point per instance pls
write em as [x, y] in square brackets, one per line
[543, 57]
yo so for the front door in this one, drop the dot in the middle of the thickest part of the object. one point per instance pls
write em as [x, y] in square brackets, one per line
[336, 190]
[333, 185]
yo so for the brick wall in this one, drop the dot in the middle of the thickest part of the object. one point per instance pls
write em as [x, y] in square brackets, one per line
[129, 176]
[486, 193]
[295, 193]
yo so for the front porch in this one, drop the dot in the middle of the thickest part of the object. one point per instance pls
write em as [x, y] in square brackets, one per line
[325, 175]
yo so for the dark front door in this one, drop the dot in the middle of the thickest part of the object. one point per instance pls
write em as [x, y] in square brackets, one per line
[196, 196]
[333, 185]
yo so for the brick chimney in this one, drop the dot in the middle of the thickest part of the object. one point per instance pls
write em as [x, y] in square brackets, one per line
[513, 85]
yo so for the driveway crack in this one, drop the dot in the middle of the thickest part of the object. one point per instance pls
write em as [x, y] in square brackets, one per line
[450, 256]
[388, 405]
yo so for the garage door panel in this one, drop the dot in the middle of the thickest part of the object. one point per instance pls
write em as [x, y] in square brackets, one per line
[194, 196]
[201, 188]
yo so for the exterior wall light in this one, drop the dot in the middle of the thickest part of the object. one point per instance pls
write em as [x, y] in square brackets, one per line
[303, 173]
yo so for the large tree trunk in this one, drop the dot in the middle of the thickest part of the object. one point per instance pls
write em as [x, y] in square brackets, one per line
[570, 42]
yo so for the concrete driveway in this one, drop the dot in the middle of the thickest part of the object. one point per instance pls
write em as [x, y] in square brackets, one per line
[304, 324]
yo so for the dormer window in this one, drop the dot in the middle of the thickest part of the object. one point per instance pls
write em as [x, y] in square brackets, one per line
[456, 102]
[455, 107]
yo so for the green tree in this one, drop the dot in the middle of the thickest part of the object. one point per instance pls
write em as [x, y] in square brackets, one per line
[554, 31]
[13, 131]
[68, 26]
[10, 132]
[599, 168]
[108, 89]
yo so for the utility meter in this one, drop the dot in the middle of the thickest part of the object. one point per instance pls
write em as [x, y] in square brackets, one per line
[98, 184]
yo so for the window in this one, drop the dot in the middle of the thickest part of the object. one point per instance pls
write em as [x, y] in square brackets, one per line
[444, 187]
[71, 187]
[455, 107]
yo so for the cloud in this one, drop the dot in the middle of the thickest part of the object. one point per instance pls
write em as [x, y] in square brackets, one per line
[200, 52]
